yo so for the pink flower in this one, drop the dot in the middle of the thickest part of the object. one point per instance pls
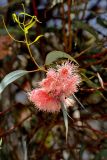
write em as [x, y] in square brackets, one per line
[43, 101]
[50, 81]
[58, 85]
[66, 69]
[71, 85]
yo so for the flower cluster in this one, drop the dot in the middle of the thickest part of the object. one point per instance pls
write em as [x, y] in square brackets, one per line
[58, 85]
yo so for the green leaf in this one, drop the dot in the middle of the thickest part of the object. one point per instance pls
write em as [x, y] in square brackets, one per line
[101, 155]
[54, 3]
[36, 39]
[54, 55]
[102, 21]
[15, 19]
[65, 115]
[89, 82]
[29, 26]
[39, 135]
[93, 85]
[1, 141]
[11, 77]
[84, 26]
[83, 147]
[28, 15]
[48, 142]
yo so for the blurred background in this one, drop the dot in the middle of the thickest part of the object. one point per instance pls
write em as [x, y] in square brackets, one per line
[79, 28]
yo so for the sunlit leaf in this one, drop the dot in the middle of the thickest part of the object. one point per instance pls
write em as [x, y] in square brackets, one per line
[15, 19]
[11, 77]
[100, 80]
[28, 15]
[55, 55]
[52, 3]
[1, 141]
[36, 39]
[29, 26]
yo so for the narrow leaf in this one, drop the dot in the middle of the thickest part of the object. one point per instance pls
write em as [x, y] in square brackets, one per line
[82, 149]
[100, 80]
[28, 15]
[29, 26]
[93, 85]
[11, 77]
[78, 101]
[54, 55]
[89, 82]
[64, 110]
[54, 3]
[102, 21]
[36, 39]
[85, 26]
[15, 19]
[1, 141]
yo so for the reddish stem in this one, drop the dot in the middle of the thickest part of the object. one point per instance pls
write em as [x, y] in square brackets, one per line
[12, 129]
[35, 7]
[69, 27]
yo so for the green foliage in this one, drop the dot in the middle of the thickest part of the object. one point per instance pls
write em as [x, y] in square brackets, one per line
[11, 77]
[85, 26]
[55, 55]
[102, 21]
[1, 141]
[25, 27]
[101, 155]
[65, 116]
[83, 146]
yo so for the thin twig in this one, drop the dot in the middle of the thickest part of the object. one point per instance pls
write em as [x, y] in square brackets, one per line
[12, 129]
